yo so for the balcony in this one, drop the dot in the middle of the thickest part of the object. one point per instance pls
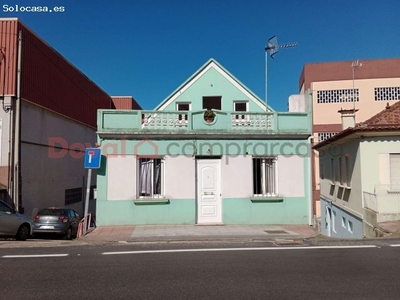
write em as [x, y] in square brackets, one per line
[385, 202]
[145, 121]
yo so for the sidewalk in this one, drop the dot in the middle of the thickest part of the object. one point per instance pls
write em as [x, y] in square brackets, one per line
[391, 228]
[156, 233]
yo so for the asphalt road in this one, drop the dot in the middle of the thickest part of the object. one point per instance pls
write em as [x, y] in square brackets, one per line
[196, 271]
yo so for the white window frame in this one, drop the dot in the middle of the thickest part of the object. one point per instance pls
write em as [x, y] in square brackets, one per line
[350, 226]
[334, 221]
[182, 117]
[269, 184]
[347, 179]
[340, 171]
[240, 117]
[147, 191]
[344, 222]
[184, 103]
[333, 173]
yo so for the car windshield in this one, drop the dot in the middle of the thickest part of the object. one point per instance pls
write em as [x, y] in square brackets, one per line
[51, 212]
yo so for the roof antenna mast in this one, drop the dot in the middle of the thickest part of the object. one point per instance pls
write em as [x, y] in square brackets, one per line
[273, 48]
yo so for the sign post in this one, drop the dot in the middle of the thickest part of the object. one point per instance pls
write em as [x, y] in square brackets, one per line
[92, 161]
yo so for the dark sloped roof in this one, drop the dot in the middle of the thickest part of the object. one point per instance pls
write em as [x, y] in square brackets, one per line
[386, 120]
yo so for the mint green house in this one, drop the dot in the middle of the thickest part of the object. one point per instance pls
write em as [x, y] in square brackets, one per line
[211, 153]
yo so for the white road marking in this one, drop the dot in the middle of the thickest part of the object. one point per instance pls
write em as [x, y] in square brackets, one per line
[34, 256]
[238, 249]
[395, 245]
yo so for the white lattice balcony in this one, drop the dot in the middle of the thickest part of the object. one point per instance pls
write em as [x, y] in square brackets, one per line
[129, 121]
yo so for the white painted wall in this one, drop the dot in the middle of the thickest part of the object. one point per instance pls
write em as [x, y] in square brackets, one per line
[180, 177]
[5, 140]
[375, 161]
[291, 185]
[47, 174]
[180, 182]
[237, 176]
[121, 174]
[5, 137]
[384, 168]
[331, 190]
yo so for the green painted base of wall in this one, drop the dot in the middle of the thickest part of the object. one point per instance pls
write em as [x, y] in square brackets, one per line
[244, 211]
[183, 211]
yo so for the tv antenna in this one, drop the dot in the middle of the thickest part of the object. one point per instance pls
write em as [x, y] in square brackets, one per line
[273, 48]
[354, 65]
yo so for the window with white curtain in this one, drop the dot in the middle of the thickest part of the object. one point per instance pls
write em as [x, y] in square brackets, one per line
[265, 181]
[150, 177]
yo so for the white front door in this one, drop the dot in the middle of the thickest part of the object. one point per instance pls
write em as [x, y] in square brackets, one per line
[209, 191]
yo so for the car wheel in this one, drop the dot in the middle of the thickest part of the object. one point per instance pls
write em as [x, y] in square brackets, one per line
[68, 235]
[23, 233]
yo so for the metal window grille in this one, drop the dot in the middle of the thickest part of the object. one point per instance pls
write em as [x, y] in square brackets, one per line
[322, 136]
[73, 196]
[338, 96]
[264, 176]
[387, 93]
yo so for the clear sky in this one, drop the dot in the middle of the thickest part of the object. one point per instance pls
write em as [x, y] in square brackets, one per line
[146, 49]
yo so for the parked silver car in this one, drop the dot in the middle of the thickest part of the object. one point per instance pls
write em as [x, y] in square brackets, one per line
[14, 224]
[56, 221]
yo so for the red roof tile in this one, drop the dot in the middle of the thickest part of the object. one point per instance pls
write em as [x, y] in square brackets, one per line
[386, 120]
[390, 115]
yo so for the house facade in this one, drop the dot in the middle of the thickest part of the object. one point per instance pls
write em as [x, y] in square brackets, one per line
[360, 177]
[365, 85]
[211, 153]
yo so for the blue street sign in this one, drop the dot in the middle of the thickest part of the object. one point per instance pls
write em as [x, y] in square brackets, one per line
[92, 158]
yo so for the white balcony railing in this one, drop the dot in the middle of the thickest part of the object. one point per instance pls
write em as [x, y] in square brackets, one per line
[385, 200]
[370, 201]
[164, 120]
[179, 120]
[252, 121]
[193, 121]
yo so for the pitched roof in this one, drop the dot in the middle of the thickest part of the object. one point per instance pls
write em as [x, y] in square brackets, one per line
[389, 116]
[212, 63]
[386, 120]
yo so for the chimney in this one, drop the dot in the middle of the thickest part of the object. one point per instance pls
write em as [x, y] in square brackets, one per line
[348, 117]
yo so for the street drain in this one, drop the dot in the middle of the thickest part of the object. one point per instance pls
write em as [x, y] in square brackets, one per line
[276, 232]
